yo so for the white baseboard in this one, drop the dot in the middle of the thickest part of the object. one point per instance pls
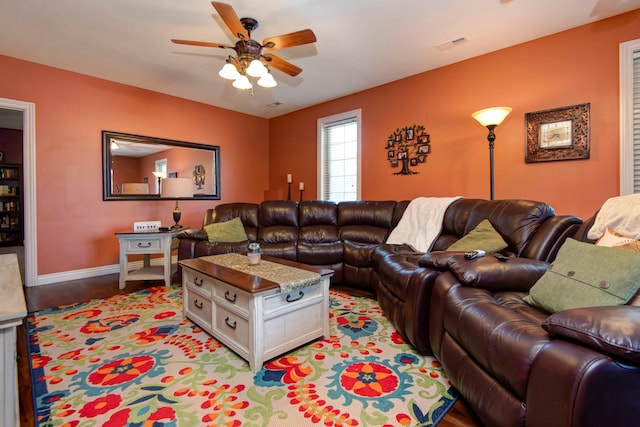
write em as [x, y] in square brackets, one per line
[85, 273]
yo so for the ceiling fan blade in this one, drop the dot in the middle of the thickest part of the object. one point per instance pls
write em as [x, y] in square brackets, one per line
[230, 18]
[288, 40]
[282, 65]
[206, 44]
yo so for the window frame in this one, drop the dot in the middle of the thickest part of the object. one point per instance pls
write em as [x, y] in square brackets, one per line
[627, 52]
[323, 122]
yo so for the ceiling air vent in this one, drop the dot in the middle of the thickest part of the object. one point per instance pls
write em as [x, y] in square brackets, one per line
[453, 43]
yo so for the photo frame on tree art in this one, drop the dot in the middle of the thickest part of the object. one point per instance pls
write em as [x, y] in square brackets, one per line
[407, 148]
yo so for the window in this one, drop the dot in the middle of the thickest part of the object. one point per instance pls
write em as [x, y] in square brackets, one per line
[630, 117]
[339, 156]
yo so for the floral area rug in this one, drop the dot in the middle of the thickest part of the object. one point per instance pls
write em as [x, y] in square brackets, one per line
[134, 360]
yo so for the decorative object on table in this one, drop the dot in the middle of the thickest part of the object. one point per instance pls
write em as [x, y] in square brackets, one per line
[251, 58]
[148, 366]
[146, 226]
[289, 180]
[409, 146]
[254, 253]
[491, 118]
[198, 176]
[558, 134]
[301, 187]
[177, 188]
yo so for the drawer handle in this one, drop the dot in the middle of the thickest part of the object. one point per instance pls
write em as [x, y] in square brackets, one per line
[300, 295]
[141, 245]
[228, 298]
[195, 282]
[198, 304]
[229, 324]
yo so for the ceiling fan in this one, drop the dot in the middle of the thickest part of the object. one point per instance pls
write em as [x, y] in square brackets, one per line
[251, 58]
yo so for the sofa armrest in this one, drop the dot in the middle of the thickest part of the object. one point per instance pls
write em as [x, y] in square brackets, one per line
[193, 233]
[613, 330]
[513, 274]
[437, 260]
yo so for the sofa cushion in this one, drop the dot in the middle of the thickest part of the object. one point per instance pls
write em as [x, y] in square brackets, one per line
[586, 275]
[483, 237]
[226, 231]
[611, 330]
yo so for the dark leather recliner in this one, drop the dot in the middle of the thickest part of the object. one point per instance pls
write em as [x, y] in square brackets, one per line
[510, 370]
[531, 229]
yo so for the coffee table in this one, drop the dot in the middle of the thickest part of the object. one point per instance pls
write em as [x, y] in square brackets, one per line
[259, 312]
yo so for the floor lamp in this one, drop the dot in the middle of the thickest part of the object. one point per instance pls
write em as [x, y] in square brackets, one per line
[491, 118]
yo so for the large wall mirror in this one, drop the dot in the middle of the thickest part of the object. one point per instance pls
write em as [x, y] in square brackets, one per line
[134, 167]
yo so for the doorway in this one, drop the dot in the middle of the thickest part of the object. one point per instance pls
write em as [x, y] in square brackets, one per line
[26, 110]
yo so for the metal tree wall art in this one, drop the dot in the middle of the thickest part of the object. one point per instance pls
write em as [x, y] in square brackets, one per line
[408, 146]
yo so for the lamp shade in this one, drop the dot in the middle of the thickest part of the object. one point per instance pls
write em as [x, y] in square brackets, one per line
[256, 68]
[267, 81]
[242, 82]
[229, 71]
[491, 116]
[177, 188]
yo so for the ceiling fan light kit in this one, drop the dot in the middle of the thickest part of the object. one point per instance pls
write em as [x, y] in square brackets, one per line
[250, 59]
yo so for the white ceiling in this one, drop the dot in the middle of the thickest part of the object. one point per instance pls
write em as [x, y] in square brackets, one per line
[361, 43]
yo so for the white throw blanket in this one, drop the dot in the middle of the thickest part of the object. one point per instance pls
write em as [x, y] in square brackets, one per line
[621, 214]
[421, 222]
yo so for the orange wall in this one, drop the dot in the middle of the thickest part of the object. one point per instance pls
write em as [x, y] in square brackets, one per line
[75, 226]
[572, 67]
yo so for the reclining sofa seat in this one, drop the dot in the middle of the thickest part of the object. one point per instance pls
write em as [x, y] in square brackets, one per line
[531, 230]
[511, 371]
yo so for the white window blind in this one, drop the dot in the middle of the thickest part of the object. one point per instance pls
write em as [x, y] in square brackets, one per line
[630, 117]
[636, 122]
[339, 160]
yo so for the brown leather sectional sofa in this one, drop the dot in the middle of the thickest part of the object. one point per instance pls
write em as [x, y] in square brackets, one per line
[469, 314]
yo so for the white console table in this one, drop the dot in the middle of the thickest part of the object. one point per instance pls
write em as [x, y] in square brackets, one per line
[12, 310]
[146, 243]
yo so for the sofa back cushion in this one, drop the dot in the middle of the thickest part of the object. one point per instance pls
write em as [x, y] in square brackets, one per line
[365, 221]
[278, 232]
[516, 221]
[247, 212]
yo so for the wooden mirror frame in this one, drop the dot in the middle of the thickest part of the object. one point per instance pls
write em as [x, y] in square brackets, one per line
[179, 167]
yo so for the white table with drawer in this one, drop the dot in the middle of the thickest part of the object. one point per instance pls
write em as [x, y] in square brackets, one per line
[250, 314]
[146, 243]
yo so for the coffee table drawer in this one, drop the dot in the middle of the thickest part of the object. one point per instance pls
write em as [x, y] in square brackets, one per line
[199, 307]
[232, 327]
[231, 296]
[199, 281]
[294, 298]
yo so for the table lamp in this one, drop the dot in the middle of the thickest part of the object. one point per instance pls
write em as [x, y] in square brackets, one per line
[177, 188]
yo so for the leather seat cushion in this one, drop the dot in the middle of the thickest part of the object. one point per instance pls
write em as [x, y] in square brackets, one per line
[499, 330]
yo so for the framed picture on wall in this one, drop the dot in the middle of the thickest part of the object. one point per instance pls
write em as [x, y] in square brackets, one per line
[558, 134]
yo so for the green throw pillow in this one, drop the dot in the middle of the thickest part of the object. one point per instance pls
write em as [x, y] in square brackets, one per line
[586, 275]
[228, 231]
[483, 237]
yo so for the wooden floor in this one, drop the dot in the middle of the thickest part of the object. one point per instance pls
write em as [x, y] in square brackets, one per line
[54, 295]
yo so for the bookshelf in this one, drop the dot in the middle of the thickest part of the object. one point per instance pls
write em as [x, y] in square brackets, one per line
[11, 211]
